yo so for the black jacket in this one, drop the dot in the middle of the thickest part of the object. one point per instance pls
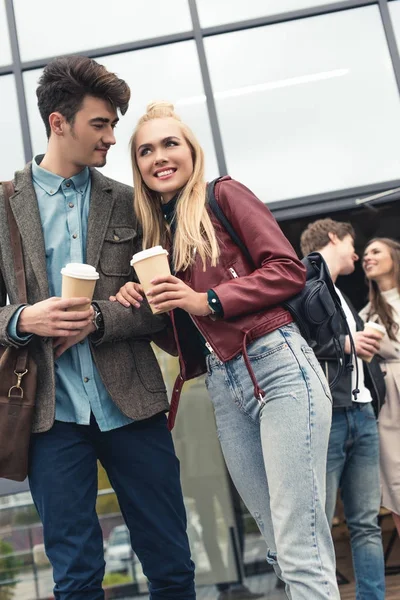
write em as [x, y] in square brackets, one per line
[373, 376]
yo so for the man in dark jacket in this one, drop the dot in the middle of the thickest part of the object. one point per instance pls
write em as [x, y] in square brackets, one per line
[353, 453]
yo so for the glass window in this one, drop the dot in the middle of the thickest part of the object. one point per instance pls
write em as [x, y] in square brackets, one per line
[36, 126]
[5, 50]
[215, 13]
[301, 113]
[94, 24]
[145, 72]
[11, 148]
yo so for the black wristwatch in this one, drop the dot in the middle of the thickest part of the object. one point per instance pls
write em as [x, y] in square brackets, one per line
[98, 320]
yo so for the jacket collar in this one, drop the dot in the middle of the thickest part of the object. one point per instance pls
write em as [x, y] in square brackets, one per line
[102, 201]
[26, 212]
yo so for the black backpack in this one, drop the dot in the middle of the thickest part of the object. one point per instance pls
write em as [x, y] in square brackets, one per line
[317, 309]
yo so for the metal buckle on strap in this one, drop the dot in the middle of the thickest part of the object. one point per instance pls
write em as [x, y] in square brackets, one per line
[17, 386]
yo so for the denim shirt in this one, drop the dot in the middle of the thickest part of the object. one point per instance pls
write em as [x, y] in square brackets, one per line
[64, 210]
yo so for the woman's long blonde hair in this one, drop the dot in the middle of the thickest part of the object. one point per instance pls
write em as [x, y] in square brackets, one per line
[378, 304]
[194, 230]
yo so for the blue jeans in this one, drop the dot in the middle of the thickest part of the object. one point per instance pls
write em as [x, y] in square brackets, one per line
[353, 465]
[142, 467]
[276, 454]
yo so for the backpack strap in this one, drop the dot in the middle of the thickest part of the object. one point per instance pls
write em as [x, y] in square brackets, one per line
[218, 212]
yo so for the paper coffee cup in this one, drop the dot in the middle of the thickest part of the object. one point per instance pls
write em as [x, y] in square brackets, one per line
[78, 281]
[149, 264]
[377, 330]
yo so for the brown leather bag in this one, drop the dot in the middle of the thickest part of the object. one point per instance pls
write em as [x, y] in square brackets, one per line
[18, 374]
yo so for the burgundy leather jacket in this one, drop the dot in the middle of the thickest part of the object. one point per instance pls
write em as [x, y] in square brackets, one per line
[251, 299]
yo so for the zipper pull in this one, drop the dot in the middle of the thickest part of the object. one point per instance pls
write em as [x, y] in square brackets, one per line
[209, 348]
[233, 272]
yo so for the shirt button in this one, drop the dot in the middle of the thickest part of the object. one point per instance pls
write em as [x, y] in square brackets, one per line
[86, 379]
[68, 184]
[71, 205]
[75, 235]
[82, 342]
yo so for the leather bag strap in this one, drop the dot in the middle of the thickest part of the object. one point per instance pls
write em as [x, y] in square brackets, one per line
[16, 244]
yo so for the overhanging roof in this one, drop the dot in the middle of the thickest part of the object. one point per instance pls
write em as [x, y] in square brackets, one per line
[330, 202]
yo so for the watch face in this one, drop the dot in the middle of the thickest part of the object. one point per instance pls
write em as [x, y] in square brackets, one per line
[98, 318]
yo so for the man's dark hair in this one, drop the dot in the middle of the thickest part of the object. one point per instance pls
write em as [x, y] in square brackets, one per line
[316, 235]
[67, 80]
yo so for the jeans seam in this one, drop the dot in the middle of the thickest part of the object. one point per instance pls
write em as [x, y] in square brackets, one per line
[229, 381]
[313, 523]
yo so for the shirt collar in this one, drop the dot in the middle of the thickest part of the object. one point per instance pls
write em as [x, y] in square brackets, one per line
[50, 182]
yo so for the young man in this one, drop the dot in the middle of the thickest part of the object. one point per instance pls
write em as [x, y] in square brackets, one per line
[100, 391]
[353, 453]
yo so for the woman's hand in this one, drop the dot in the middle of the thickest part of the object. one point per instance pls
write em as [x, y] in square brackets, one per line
[130, 294]
[366, 344]
[170, 292]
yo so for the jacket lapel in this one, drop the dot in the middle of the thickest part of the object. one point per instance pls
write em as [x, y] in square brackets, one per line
[102, 202]
[26, 212]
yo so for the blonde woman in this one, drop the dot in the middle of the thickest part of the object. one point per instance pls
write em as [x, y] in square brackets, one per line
[271, 401]
[381, 263]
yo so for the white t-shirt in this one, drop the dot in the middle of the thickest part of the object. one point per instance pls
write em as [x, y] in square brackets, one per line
[364, 395]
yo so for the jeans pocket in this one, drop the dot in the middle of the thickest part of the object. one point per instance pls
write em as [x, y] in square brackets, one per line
[266, 345]
[368, 411]
[316, 367]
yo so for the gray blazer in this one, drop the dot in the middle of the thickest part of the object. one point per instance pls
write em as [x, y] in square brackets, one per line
[123, 356]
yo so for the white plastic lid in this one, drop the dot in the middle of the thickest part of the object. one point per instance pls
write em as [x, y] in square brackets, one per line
[80, 271]
[376, 326]
[148, 253]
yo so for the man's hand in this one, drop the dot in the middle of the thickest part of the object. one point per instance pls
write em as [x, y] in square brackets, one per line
[130, 294]
[50, 318]
[170, 292]
[366, 344]
[61, 344]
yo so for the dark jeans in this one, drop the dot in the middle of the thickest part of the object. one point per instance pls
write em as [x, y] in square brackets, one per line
[142, 467]
[353, 465]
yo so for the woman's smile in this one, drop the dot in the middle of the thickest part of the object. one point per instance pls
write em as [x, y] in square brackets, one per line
[164, 173]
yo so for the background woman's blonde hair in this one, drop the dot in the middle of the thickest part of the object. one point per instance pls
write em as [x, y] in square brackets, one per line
[378, 303]
[194, 230]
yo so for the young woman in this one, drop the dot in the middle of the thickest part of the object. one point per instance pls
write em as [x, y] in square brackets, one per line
[381, 263]
[271, 401]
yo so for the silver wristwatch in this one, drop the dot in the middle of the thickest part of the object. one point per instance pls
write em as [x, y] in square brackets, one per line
[98, 320]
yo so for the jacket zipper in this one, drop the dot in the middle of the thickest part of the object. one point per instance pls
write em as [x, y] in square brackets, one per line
[207, 343]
